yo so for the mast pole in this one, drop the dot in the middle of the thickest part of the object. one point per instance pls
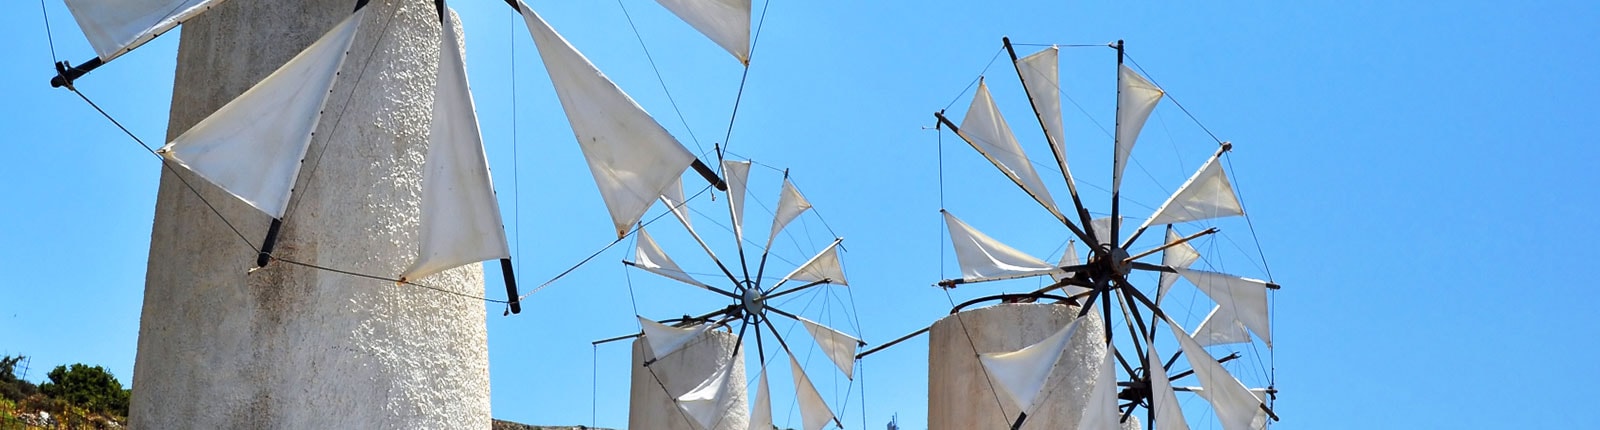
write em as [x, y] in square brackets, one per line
[1116, 190]
[1056, 148]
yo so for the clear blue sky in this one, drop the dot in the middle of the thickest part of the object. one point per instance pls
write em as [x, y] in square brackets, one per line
[1416, 174]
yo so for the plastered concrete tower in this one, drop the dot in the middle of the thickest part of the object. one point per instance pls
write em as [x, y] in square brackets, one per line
[649, 407]
[959, 394]
[288, 346]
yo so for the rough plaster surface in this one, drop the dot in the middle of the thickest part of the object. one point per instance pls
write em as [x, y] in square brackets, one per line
[651, 408]
[959, 394]
[290, 346]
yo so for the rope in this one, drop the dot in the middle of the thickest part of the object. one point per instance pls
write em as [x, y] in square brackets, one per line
[49, 35]
[608, 246]
[743, 77]
[385, 278]
[701, 150]
[975, 80]
[1174, 99]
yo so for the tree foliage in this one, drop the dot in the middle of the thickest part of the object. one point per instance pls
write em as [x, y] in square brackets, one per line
[11, 388]
[91, 387]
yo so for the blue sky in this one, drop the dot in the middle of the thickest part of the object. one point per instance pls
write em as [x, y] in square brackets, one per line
[1419, 177]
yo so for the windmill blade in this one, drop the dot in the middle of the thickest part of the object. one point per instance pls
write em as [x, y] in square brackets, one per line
[726, 22]
[664, 339]
[814, 412]
[840, 347]
[252, 147]
[982, 258]
[709, 402]
[1101, 413]
[1023, 374]
[1177, 256]
[649, 256]
[115, 27]
[460, 216]
[1205, 195]
[1245, 297]
[825, 266]
[1040, 75]
[1234, 405]
[1221, 327]
[1102, 229]
[633, 159]
[790, 205]
[1069, 258]
[986, 130]
[737, 174]
[1163, 401]
[1136, 98]
[672, 196]
[1259, 421]
[761, 415]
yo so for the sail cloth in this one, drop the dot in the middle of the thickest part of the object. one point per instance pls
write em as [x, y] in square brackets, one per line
[1221, 327]
[664, 339]
[1102, 229]
[1244, 297]
[115, 27]
[1205, 195]
[1041, 79]
[1024, 373]
[790, 205]
[841, 348]
[823, 266]
[1168, 415]
[460, 216]
[1177, 256]
[648, 255]
[1136, 98]
[761, 415]
[1233, 404]
[726, 22]
[986, 130]
[632, 157]
[1101, 413]
[814, 412]
[710, 401]
[984, 259]
[252, 146]
[673, 197]
[1069, 258]
[737, 174]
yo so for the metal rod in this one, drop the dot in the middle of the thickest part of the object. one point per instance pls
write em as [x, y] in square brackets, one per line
[863, 354]
[271, 241]
[705, 287]
[795, 289]
[510, 277]
[65, 74]
[614, 339]
[1021, 416]
[1116, 188]
[1055, 147]
[1181, 375]
[705, 172]
[1053, 211]
[952, 283]
[1169, 245]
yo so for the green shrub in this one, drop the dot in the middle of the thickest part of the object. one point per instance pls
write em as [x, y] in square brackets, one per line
[92, 388]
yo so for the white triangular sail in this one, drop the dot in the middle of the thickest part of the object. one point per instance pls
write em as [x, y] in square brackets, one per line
[710, 401]
[1101, 413]
[115, 27]
[1233, 404]
[1221, 327]
[814, 412]
[982, 258]
[672, 196]
[1136, 98]
[1041, 79]
[1169, 416]
[824, 266]
[1177, 256]
[1245, 297]
[986, 130]
[1102, 230]
[790, 205]
[664, 339]
[648, 255]
[737, 175]
[761, 415]
[1023, 374]
[1205, 195]
[1069, 258]
[632, 157]
[460, 215]
[840, 347]
[726, 22]
[252, 146]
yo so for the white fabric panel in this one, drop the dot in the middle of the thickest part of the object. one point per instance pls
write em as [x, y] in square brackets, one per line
[1177, 256]
[672, 196]
[726, 22]
[1169, 416]
[986, 130]
[460, 215]
[761, 415]
[790, 205]
[1233, 404]
[1041, 79]
[1102, 229]
[1205, 195]
[1136, 98]
[709, 402]
[814, 412]
[983, 258]
[632, 157]
[665, 339]
[1022, 374]
[1069, 258]
[1221, 327]
[1245, 297]
[115, 27]
[737, 175]
[648, 255]
[825, 265]
[252, 146]
[1101, 413]
[841, 348]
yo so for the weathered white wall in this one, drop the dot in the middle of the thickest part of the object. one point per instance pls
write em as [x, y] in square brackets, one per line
[959, 394]
[288, 346]
[651, 408]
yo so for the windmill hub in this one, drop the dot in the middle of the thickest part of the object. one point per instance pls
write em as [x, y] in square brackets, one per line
[1119, 261]
[754, 302]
